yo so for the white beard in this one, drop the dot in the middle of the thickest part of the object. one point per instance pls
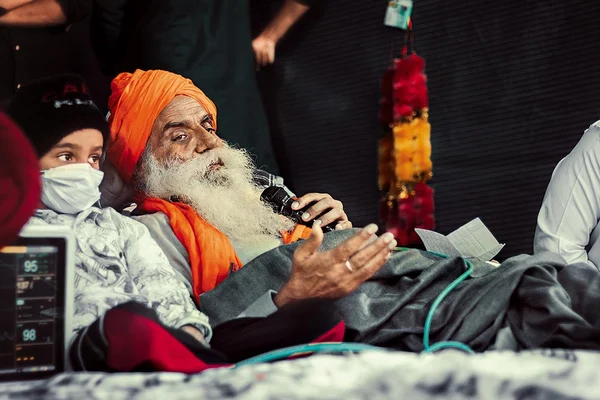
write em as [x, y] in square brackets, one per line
[227, 197]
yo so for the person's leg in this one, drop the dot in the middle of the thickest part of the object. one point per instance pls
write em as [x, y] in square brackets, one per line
[306, 321]
[130, 337]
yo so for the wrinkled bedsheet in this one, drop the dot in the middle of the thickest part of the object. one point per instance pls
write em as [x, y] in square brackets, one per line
[543, 374]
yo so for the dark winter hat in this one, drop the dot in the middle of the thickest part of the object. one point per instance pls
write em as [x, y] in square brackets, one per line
[51, 108]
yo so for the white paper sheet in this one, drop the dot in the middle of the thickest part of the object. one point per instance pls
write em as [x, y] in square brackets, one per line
[472, 241]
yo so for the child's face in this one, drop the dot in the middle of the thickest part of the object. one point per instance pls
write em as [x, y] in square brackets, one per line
[84, 146]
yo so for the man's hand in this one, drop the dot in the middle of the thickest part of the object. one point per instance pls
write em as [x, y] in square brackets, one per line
[264, 45]
[338, 272]
[326, 208]
[264, 50]
[194, 332]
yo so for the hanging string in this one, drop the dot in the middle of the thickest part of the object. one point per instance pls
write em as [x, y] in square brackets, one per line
[409, 40]
[393, 52]
[412, 37]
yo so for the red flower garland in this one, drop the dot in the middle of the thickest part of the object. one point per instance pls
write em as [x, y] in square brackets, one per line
[404, 151]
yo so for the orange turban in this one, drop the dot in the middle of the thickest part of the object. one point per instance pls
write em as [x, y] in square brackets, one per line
[135, 102]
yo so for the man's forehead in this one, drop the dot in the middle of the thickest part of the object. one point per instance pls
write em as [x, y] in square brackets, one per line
[182, 107]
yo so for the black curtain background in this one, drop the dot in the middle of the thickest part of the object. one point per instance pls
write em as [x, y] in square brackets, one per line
[513, 85]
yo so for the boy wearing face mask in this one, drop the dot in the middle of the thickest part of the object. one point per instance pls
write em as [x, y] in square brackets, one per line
[117, 261]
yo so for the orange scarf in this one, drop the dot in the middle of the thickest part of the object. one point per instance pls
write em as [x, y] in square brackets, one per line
[211, 254]
[136, 101]
[212, 257]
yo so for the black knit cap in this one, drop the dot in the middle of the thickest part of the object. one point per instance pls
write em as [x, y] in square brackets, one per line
[51, 108]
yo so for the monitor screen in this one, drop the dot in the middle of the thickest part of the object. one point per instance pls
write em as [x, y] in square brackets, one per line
[32, 309]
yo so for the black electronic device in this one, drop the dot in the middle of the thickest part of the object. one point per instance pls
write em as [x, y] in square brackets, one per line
[282, 202]
[36, 303]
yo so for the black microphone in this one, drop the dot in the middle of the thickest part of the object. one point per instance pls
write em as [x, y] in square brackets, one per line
[281, 201]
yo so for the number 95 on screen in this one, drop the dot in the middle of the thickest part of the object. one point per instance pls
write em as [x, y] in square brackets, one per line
[33, 266]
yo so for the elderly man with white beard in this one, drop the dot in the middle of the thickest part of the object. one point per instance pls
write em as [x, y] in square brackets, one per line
[201, 203]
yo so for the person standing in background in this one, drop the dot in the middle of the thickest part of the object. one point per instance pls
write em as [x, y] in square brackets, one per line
[208, 41]
[264, 15]
[265, 43]
[40, 38]
[568, 221]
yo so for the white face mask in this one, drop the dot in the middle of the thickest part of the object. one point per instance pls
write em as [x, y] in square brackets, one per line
[72, 188]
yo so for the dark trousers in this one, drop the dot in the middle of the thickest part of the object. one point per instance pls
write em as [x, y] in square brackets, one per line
[130, 337]
[298, 323]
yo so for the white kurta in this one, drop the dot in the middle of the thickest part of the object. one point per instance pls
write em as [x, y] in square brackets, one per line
[568, 220]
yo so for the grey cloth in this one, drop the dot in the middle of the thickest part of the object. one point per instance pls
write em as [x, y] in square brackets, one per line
[544, 302]
[161, 232]
[262, 307]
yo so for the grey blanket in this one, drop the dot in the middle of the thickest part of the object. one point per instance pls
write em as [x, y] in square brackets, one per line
[538, 300]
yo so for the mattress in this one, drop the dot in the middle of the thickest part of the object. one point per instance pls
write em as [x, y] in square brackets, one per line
[543, 374]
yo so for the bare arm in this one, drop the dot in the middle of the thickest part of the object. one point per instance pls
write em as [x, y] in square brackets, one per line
[289, 13]
[10, 4]
[35, 14]
[264, 45]
[39, 13]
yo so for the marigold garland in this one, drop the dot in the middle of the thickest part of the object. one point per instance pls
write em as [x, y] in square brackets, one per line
[405, 150]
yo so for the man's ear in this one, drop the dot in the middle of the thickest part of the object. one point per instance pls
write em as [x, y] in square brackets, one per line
[116, 193]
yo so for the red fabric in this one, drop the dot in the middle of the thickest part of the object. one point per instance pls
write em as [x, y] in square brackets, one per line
[20, 181]
[136, 339]
[334, 335]
[152, 344]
